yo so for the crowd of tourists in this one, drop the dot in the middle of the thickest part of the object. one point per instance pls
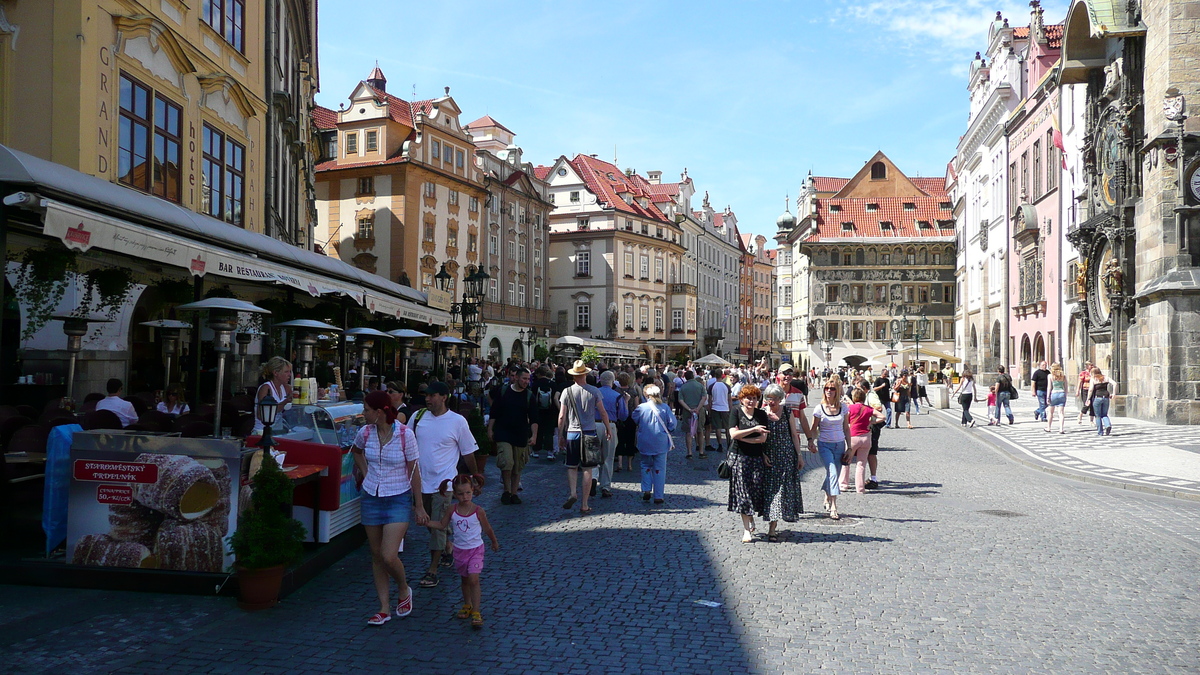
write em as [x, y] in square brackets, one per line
[420, 457]
[1048, 386]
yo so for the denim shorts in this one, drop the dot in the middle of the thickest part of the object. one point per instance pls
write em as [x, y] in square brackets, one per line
[386, 510]
[1058, 399]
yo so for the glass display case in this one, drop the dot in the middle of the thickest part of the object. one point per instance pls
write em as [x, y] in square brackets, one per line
[334, 424]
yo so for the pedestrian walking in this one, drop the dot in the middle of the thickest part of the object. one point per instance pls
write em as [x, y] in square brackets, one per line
[655, 426]
[719, 400]
[443, 438]
[547, 412]
[1056, 403]
[1083, 389]
[1100, 398]
[748, 482]
[1038, 384]
[876, 429]
[626, 428]
[966, 396]
[1004, 393]
[785, 457]
[993, 410]
[513, 426]
[902, 396]
[860, 417]
[469, 523]
[883, 389]
[923, 388]
[388, 473]
[612, 400]
[833, 441]
[579, 409]
[693, 399]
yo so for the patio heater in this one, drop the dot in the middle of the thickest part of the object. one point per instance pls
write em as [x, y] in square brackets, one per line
[307, 340]
[170, 330]
[366, 340]
[405, 336]
[222, 320]
[75, 328]
[244, 338]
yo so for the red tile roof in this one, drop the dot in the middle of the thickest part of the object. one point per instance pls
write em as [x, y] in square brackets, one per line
[605, 180]
[489, 121]
[397, 158]
[324, 118]
[1054, 34]
[890, 209]
[747, 239]
[934, 185]
[827, 184]
[541, 172]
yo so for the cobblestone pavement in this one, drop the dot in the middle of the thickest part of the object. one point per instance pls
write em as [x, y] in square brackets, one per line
[963, 562]
[1139, 455]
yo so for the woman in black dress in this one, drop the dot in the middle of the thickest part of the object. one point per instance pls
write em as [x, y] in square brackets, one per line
[626, 427]
[748, 484]
[901, 394]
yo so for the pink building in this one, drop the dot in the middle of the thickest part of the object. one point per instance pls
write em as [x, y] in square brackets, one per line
[1034, 258]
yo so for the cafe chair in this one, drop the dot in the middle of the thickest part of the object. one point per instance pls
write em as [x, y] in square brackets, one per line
[10, 425]
[139, 404]
[7, 411]
[205, 411]
[101, 419]
[63, 417]
[195, 429]
[30, 438]
[93, 397]
[243, 427]
[240, 402]
[30, 411]
[155, 420]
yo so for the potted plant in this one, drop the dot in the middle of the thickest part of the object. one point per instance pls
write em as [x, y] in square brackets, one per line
[267, 539]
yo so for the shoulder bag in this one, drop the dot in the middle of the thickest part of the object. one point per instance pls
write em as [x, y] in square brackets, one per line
[724, 470]
[658, 416]
[589, 446]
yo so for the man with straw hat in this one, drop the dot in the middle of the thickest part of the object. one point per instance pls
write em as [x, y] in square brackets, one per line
[580, 406]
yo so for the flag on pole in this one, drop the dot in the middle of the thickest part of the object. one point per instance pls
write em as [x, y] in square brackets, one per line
[1057, 139]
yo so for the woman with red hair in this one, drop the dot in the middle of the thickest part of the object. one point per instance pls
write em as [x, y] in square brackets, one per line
[385, 455]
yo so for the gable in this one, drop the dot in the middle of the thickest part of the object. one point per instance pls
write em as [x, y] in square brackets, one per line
[893, 184]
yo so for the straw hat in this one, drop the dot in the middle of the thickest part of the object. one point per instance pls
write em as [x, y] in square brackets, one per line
[579, 369]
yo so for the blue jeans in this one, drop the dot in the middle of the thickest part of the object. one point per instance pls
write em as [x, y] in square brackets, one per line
[887, 409]
[831, 457]
[1100, 409]
[916, 407]
[1002, 404]
[1040, 413]
[654, 474]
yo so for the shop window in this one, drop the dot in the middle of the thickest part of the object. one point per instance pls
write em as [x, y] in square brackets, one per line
[224, 176]
[228, 18]
[149, 141]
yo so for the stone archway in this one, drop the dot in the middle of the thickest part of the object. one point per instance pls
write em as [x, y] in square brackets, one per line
[1026, 358]
[494, 349]
[1039, 348]
[973, 350]
[997, 353]
[518, 350]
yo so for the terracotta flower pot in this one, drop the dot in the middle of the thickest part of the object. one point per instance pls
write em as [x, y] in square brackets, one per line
[259, 588]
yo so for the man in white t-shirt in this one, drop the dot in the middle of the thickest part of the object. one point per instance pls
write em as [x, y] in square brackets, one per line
[718, 410]
[115, 404]
[443, 437]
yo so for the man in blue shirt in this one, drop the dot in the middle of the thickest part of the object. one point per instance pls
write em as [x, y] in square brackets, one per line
[617, 408]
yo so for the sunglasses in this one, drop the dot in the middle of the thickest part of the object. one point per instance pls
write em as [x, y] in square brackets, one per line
[831, 388]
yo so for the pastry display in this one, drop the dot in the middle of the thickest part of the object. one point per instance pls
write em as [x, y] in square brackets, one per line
[185, 490]
[191, 546]
[104, 551]
[133, 522]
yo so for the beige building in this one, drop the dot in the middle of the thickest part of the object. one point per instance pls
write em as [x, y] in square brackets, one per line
[615, 254]
[760, 303]
[399, 193]
[160, 97]
[515, 243]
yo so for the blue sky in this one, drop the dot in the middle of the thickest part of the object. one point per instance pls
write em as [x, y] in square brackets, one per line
[748, 96]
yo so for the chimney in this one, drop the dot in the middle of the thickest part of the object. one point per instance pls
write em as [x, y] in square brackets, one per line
[655, 177]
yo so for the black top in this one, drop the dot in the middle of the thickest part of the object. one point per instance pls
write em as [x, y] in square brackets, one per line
[883, 389]
[740, 421]
[1040, 379]
[514, 413]
[1003, 384]
[1100, 390]
[542, 384]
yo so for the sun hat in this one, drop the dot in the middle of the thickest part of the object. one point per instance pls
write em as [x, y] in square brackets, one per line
[579, 369]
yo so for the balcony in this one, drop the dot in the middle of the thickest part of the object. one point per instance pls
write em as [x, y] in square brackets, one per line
[713, 333]
[682, 289]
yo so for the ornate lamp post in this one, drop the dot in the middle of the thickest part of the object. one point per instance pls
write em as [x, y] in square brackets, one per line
[267, 408]
[222, 319]
[470, 309]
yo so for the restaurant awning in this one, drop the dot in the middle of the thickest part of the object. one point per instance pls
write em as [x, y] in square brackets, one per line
[609, 348]
[85, 211]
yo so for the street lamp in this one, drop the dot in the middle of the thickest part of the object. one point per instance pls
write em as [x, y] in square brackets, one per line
[470, 310]
[442, 278]
[920, 331]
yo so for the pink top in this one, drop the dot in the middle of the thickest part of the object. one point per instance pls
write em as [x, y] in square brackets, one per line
[991, 398]
[860, 416]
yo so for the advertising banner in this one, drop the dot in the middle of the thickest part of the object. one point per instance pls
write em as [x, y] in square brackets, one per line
[152, 502]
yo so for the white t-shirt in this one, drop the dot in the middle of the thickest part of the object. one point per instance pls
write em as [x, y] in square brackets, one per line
[441, 439]
[922, 379]
[474, 372]
[720, 396]
[120, 407]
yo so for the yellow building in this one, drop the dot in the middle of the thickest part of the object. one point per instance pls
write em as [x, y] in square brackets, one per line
[161, 97]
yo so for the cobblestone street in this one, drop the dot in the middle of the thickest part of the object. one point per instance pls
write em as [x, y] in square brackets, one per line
[963, 561]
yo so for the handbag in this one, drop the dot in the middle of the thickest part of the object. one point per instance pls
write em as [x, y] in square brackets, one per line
[724, 471]
[589, 446]
[895, 397]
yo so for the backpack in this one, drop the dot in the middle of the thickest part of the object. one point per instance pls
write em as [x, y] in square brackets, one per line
[545, 397]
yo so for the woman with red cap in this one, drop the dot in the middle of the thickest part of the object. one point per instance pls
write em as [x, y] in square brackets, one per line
[385, 456]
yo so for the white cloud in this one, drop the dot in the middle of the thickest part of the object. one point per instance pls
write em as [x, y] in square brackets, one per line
[944, 28]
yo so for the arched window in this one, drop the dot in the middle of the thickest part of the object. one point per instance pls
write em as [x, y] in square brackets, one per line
[911, 257]
[860, 257]
[878, 171]
[833, 257]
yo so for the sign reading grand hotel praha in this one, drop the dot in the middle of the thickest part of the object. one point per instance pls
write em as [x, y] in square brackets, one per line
[152, 502]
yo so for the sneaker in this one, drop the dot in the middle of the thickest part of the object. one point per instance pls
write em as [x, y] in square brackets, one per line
[549, 456]
[605, 493]
[645, 496]
[871, 485]
[404, 607]
[658, 501]
[506, 498]
[595, 486]
[514, 500]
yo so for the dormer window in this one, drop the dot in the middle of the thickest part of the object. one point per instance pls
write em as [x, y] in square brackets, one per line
[946, 224]
[909, 206]
[847, 227]
[835, 208]
[945, 206]
[872, 207]
[886, 226]
[924, 225]
[583, 224]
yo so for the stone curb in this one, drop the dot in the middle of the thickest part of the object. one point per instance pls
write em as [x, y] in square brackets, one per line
[1005, 449]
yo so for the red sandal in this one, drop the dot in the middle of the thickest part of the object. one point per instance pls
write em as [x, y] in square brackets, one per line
[379, 618]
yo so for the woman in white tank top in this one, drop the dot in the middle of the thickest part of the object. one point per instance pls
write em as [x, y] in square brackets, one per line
[278, 372]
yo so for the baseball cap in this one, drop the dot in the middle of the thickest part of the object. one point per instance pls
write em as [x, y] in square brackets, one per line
[437, 388]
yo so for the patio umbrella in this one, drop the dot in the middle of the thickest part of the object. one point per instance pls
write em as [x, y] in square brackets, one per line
[712, 360]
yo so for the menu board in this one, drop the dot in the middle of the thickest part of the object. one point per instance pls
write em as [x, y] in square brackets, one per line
[152, 502]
